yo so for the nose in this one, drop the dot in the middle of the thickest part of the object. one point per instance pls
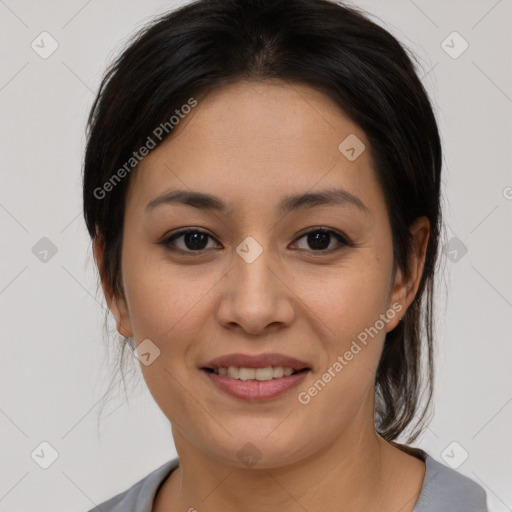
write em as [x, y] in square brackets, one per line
[255, 296]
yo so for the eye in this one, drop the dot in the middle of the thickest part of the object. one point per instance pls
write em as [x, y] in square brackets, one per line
[193, 241]
[319, 240]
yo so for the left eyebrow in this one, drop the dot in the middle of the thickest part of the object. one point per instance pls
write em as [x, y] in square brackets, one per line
[338, 196]
[289, 203]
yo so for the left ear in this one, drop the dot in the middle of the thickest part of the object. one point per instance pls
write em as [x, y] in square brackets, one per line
[405, 289]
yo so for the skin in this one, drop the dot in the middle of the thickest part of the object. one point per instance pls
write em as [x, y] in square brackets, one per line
[250, 144]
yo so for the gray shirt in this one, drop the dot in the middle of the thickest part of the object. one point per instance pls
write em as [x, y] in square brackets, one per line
[443, 490]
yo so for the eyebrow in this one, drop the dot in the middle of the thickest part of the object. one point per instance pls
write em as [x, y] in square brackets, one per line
[307, 200]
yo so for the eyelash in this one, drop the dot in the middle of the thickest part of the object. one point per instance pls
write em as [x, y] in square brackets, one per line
[342, 239]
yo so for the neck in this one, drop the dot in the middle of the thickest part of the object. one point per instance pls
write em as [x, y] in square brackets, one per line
[358, 469]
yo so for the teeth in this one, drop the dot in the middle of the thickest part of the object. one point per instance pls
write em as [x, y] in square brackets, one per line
[268, 373]
[233, 372]
[246, 373]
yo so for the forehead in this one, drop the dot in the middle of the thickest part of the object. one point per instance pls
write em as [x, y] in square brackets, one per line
[259, 139]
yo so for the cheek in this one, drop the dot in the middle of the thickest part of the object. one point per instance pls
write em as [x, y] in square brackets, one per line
[348, 299]
[163, 298]
[349, 309]
[167, 308]
[349, 302]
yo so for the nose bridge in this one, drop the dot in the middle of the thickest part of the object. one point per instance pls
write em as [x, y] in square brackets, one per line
[253, 267]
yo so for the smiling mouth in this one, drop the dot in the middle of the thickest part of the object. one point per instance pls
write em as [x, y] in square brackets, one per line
[255, 374]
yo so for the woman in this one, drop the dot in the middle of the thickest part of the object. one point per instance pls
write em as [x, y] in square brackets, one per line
[262, 189]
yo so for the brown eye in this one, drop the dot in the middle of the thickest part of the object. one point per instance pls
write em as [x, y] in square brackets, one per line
[196, 241]
[319, 240]
[193, 241]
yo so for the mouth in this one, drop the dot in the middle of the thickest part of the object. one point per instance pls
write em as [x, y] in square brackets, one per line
[255, 377]
[254, 384]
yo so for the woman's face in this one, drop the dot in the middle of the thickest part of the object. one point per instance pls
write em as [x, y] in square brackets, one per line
[255, 282]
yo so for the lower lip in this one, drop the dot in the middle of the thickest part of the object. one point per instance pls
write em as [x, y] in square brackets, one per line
[256, 389]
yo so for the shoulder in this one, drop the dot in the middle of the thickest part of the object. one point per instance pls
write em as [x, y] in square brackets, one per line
[140, 496]
[446, 490]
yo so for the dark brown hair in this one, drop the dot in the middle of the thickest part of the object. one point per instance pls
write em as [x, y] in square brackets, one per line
[330, 46]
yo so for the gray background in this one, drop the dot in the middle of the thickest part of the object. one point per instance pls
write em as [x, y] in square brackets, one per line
[55, 364]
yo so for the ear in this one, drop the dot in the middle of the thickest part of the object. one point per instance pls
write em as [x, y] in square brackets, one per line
[116, 304]
[404, 289]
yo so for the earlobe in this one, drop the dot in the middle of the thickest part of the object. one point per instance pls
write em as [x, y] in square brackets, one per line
[116, 305]
[118, 308]
[397, 300]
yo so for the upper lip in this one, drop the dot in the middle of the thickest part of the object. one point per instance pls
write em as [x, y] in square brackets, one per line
[256, 361]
